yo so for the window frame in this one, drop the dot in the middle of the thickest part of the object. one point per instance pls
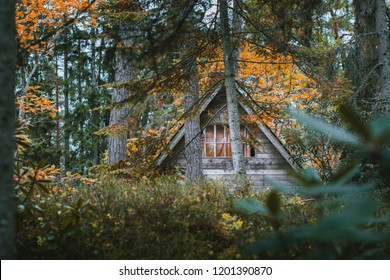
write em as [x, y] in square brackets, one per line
[226, 143]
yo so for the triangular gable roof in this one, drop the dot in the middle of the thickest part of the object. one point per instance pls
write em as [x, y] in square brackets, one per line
[266, 131]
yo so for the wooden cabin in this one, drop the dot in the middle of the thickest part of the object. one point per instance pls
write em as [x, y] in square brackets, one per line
[265, 156]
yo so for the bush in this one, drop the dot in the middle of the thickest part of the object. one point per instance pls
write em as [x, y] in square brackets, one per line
[155, 219]
[164, 218]
[352, 219]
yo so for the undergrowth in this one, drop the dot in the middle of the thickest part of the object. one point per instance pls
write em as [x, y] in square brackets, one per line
[158, 219]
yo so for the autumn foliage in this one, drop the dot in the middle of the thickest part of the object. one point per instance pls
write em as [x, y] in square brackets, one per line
[39, 21]
[71, 204]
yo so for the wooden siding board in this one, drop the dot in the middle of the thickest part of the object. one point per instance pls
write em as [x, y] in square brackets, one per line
[271, 159]
[249, 172]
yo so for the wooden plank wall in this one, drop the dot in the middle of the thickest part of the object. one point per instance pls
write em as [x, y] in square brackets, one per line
[268, 162]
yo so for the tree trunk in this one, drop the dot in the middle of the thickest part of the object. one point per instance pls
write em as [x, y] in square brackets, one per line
[193, 152]
[7, 126]
[382, 30]
[236, 29]
[58, 134]
[119, 114]
[66, 107]
[231, 91]
[94, 113]
[364, 76]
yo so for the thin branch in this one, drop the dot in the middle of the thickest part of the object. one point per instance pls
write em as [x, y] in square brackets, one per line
[364, 82]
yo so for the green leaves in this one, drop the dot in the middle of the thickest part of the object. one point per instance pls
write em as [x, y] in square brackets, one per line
[271, 207]
[363, 134]
[380, 131]
[351, 221]
[354, 121]
[334, 132]
[273, 202]
[250, 206]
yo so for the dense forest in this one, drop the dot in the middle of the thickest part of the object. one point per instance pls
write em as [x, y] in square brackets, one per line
[94, 92]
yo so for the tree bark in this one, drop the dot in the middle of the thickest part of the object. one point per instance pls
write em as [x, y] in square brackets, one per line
[119, 114]
[236, 29]
[231, 90]
[366, 56]
[94, 113]
[7, 126]
[382, 30]
[193, 152]
[58, 134]
[66, 106]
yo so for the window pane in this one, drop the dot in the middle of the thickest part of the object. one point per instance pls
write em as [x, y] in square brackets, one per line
[228, 150]
[221, 150]
[220, 134]
[210, 133]
[209, 150]
[253, 152]
[246, 149]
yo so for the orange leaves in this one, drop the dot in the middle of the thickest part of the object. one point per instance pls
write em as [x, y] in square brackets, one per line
[33, 104]
[35, 173]
[210, 69]
[178, 101]
[73, 178]
[275, 81]
[37, 18]
[154, 132]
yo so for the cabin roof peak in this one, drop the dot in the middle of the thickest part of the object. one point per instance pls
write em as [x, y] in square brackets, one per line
[205, 101]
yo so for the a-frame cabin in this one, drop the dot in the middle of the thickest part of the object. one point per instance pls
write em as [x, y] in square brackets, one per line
[265, 156]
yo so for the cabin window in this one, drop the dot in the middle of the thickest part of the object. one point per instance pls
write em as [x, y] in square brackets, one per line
[216, 142]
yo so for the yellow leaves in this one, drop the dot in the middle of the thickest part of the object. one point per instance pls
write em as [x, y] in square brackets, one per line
[53, 170]
[115, 130]
[230, 224]
[132, 146]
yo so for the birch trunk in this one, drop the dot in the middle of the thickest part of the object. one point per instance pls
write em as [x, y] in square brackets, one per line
[119, 114]
[193, 152]
[382, 30]
[231, 91]
[7, 126]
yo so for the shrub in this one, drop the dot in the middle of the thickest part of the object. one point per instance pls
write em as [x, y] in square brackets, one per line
[352, 219]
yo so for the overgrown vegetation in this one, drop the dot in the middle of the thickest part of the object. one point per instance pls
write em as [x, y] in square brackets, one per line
[157, 219]
[308, 57]
[74, 217]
